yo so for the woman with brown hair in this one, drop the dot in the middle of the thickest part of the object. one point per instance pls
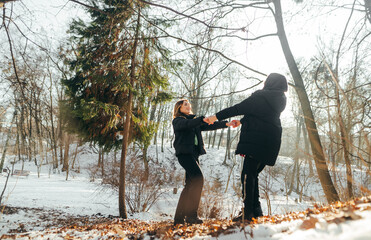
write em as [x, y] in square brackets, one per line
[189, 146]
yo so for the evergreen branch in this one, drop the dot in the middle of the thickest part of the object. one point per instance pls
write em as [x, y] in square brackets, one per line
[90, 7]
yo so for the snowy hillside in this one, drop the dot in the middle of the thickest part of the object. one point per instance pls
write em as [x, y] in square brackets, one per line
[49, 207]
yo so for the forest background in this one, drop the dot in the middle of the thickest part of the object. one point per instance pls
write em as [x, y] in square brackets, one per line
[109, 72]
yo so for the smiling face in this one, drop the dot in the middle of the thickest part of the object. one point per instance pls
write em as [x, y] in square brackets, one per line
[186, 108]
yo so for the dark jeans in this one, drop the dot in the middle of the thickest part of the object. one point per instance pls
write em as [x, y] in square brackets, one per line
[191, 194]
[250, 185]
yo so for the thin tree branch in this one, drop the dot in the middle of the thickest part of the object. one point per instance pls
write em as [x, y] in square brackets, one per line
[190, 17]
[41, 47]
[360, 86]
[209, 49]
[248, 39]
[342, 39]
[335, 79]
[12, 55]
[226, 94]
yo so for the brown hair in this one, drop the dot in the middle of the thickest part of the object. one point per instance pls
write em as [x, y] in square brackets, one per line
[178, 105]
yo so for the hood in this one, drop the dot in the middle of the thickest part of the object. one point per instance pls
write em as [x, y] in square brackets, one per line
[276, 99]
[275, 81]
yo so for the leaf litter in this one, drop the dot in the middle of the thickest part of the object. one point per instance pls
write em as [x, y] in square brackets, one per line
[98, 226]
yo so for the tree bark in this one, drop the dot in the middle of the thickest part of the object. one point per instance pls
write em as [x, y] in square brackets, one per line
[125, 140]
[344, 136]
[214, 137]
[163, 136]
[7, 141]
[146, 165]
[228, 146]
[307, 150]
[319, 157]
[67, 142]
[75, 154]
[344, 139]
[295, 170]
[343, 131]
[220, 138]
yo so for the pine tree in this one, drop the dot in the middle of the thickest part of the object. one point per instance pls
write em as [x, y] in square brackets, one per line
[116, 68]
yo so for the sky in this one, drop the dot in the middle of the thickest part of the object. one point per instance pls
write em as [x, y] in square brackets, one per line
[51, 18]
[304, 30]
[49, 21]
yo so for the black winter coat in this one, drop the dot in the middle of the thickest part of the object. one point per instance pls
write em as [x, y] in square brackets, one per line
[261, 129]
[186, 127]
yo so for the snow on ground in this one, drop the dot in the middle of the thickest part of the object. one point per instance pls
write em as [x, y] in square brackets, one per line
[35, 199]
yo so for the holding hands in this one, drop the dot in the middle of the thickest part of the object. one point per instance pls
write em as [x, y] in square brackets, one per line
[210, 120]
[234, 123]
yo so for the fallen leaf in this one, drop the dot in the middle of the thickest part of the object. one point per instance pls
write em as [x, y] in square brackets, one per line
[309, 223]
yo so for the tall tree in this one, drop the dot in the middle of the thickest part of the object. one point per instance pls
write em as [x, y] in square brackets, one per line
[227, 8]
[310, 123]
[116, 67]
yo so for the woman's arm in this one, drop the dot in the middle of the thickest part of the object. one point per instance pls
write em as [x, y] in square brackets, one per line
[180, 123]
[215, 126]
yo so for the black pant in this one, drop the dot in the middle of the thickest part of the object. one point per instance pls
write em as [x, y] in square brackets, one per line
[250, 185]
[191, 194]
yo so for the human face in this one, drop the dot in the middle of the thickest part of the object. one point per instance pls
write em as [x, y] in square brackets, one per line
[186, 108]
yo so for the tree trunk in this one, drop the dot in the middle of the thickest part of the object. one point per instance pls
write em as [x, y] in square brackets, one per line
[331, 154]
[61, 147]
[209, 139]
[163, 136]
[214, 137]
[145, 161]
[75, 154]
[30, 137]
[125, 139]
[125, 143]
[307, 151]
[343, 133]
[344, 139]
[296, 155]
[227, 147]
[18, 144]
[67, 143]
[319, 157]
[53, 137]
[102, 165]
[22, 131]
[221, 137]
[7, 141]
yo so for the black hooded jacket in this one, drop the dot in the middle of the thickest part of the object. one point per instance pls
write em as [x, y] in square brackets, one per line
[186, 127]
[261, 129]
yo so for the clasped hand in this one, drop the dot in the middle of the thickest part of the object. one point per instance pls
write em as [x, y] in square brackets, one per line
[210, 120]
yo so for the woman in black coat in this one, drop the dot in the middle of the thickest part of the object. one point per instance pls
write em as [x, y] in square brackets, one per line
[260, 137]
[189, 146]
